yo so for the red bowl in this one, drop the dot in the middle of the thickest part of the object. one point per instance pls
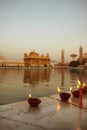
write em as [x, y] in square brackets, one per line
[34, 102]
[75, 93]
[65, 96]
[85, 88]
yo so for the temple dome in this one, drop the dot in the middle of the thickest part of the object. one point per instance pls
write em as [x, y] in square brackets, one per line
[33, 53]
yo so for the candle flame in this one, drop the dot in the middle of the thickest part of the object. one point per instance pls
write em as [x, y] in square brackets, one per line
[58, 89]
[79, 83]
[83, 84]
[29, 95]
[78, 86]
[70, 88]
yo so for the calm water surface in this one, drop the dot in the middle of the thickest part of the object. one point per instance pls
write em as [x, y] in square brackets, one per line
[17, 83]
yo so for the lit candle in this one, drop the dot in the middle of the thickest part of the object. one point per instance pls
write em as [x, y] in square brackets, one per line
[80, 85]
[83, 84]
[30, 96]
[58, 89]
[70, 88]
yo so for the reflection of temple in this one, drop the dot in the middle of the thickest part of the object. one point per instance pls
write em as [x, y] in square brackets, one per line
[76, 74]
[34, 59]
[62, 77]
[35, 75]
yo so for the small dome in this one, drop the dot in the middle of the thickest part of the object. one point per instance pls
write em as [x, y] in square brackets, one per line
[33, 53]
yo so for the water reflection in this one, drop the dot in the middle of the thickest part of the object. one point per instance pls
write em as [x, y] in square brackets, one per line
[2, 75]
[34, 76]
[10, 74]
[38, 82]
[78, 73]
[62, 77]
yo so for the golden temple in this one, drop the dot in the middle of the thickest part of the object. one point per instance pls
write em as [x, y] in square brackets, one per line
[36, 60]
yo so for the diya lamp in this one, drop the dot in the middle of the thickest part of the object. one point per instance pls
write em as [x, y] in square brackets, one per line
[80, 94]
[64, 95]
[34, 102]
[82, 87]
[85, 87]
[75, 93]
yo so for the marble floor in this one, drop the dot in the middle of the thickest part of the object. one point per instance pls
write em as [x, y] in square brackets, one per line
[51, 114]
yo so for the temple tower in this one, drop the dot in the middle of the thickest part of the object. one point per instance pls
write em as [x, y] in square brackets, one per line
[62, 56]
[81, 54]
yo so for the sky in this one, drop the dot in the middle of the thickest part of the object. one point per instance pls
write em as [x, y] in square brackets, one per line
[46, 26]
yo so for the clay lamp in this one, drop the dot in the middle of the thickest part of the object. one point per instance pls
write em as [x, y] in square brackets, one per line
[34, 102]
[63, 95]
[83, 87]
[75, 93]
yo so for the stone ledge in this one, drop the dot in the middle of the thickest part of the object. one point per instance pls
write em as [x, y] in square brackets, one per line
[51, 114]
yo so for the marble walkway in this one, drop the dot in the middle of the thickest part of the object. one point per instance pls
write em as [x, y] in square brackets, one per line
[51, 114]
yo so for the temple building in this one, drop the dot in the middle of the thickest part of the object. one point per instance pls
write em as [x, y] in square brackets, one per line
[85, 57]
[82, 56]
[36, 60]
[62, 57]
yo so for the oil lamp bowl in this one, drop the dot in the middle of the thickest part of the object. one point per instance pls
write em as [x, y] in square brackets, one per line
[85, 88]
[34, 102]
[65, 96]
[75, 93]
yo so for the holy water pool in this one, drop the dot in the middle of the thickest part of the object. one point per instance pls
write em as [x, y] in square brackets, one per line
[17, 83]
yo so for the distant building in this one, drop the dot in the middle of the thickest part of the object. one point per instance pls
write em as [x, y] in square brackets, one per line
[10, 63]
[62, 57]
[82, 56]
[34, 59]
[85, 57]
[82, 60]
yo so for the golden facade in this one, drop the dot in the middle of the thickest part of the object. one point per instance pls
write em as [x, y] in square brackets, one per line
[34, 59]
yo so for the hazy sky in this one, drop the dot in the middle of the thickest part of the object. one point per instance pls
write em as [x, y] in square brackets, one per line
[46, 26]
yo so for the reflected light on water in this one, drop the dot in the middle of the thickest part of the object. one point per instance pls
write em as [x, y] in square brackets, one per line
[16, 83]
